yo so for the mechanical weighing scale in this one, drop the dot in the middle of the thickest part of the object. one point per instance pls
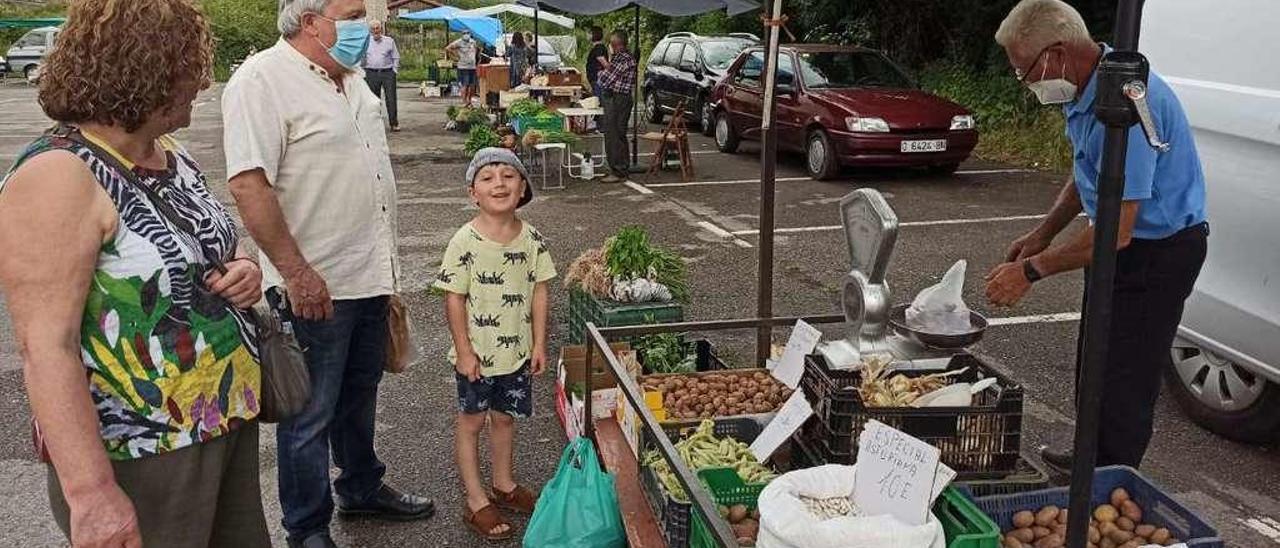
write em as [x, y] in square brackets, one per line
[876, 325]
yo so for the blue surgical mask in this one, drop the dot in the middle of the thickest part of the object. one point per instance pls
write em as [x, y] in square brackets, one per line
[353, 40]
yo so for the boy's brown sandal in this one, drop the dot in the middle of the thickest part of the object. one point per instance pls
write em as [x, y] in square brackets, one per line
[485, 520]
[518, 500]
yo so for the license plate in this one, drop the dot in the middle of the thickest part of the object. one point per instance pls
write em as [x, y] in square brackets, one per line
[938, 145]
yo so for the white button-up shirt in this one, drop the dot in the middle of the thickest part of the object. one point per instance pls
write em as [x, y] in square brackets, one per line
[324, 152]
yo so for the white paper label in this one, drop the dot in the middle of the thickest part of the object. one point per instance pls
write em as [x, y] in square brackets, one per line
[790, 417]
[790, 367]
[896, 474]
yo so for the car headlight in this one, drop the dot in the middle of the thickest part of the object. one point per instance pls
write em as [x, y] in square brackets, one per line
[866, 125]
[963, 121]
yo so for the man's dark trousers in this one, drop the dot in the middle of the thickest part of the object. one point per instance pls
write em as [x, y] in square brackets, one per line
[383, 84]
[1153, 280]
[617, 111]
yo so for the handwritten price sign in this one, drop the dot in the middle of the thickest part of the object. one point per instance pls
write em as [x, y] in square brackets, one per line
[896, 474]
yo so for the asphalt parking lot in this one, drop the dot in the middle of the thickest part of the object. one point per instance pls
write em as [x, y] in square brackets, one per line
[713, 222]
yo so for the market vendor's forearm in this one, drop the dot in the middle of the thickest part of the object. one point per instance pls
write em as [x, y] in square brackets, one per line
[1078, 251]
[1065, 209]
[265, 220]
[540, 312]
[455, 306]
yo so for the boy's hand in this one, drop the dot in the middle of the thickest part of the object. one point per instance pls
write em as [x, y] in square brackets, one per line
[468, 366]
[538, 360]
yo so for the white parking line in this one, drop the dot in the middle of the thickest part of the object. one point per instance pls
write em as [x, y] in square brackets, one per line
[940, 222]
[1265, 526]
[714, 229]
[795, 179]
[1039, 318]
[638, 187]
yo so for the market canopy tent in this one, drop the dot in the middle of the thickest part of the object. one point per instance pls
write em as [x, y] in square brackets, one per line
[674, 8]
[486, 29]
[31, 23]
[520, 10]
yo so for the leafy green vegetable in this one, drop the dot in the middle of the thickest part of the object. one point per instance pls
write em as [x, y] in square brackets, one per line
[481, 136]
[451, 112]
[666, 353]
[477, 116]
[525, 107]
[629, 255]
[560, 136]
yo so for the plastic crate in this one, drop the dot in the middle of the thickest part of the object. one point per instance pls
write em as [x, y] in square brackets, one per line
[964, 525]
[727, 489]
[673, 515]
[585, 308]
[523, 124]
[981, 441]
[1158, 508]
[1029, 476]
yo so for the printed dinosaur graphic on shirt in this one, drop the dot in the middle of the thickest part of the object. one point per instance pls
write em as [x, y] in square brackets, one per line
[498, 280]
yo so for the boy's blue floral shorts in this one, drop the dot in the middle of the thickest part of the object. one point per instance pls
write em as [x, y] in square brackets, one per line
[511, 394]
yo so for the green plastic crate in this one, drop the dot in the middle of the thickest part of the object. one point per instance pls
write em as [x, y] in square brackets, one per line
[585, 308]
[727, 489]
[545, 124]
[963, 523]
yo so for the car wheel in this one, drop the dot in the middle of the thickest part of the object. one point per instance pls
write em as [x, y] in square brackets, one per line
[31, 72]
[944, 169]
[651, 109]
[1222, 396]
[727, 139]
[820, 156]
[706, 117]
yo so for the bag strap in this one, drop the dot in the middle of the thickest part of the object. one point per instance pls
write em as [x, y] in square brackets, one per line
[163, 207]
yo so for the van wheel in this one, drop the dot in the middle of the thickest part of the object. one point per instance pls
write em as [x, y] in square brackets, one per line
[652, 111]
[1222, 396]
[820, 157]
[727, 139]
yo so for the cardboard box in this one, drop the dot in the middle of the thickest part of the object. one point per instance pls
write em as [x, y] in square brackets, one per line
[573, 361]
[570, 408]
[565, 77]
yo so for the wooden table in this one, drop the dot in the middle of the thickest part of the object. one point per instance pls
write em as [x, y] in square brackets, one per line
[637, 518]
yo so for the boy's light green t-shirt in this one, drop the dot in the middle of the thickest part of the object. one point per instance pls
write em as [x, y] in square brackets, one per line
[498, 281]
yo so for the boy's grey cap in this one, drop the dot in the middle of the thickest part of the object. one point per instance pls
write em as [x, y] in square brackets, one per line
[498, 155]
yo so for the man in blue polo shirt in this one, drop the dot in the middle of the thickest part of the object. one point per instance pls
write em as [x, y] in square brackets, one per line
[1163, 233]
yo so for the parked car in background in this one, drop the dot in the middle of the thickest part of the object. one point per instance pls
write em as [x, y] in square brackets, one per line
[548, 58]
[843, 106]
[685, 67]
[26, 55]
[4, 67]
[1226, 360]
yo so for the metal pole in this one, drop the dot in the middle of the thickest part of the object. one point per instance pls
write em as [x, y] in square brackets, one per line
[768, 165]
[536, 36]
[1101, 282]
[635, 92]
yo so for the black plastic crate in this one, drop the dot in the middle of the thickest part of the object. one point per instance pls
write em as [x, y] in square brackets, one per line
[673, 515]
[981, 441]
[1029, 476]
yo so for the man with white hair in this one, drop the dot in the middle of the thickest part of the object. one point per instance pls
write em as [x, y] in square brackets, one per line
[309, 169]
[1163, 233]
[381, 66]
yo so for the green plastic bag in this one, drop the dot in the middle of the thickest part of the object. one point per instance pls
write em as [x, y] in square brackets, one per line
[579, 507]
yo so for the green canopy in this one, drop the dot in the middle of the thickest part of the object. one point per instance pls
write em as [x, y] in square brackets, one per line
[31, 23]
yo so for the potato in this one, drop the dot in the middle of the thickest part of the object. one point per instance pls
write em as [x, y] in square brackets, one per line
[1125, 523]
[1107, 543]
[1024, 519]
[1011, 541]
[1051, 541]
[1062, 516]
[1046, 516]
[1106, 513]
[1041, 531]
[1120, 536]
[1131, 544]
[1024, 534]
[755, 514]
[1144, 530]
[1131, 510]
[1094, 535]
[1160, 536]
[1118, 496]
[737, 513]
[1107, 527]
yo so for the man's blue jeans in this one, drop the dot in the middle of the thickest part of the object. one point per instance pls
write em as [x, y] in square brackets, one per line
[344, 356]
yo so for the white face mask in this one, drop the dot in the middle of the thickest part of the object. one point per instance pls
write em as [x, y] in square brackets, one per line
[1054, 91]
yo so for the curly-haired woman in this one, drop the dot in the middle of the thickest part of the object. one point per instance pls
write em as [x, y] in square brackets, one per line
[127, 292]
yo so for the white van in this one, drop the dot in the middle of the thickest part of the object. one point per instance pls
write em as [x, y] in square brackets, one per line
[1220, 59]
[26, 55]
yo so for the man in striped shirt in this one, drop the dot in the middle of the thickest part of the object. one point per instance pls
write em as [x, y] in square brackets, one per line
[617, 86]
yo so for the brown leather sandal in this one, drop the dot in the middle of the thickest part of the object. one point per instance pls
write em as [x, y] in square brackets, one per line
[518, 500]
[485, 520]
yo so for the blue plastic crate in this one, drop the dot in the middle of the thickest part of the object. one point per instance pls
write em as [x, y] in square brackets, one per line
[1158, 508]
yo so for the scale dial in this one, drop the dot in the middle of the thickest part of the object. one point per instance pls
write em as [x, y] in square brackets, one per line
[870, 231]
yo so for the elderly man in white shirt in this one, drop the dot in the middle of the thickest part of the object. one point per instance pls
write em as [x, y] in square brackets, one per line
[381, 66]
[311, 174]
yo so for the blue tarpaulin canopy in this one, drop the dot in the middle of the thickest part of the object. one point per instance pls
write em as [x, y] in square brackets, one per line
[486, 29]
[665, 7]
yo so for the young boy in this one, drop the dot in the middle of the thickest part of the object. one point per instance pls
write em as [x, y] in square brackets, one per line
[495, 273]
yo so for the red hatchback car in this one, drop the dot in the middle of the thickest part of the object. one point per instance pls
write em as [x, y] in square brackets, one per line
[843, 105]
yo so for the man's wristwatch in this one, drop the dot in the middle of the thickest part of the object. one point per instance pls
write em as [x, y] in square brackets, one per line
[1029, 270]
